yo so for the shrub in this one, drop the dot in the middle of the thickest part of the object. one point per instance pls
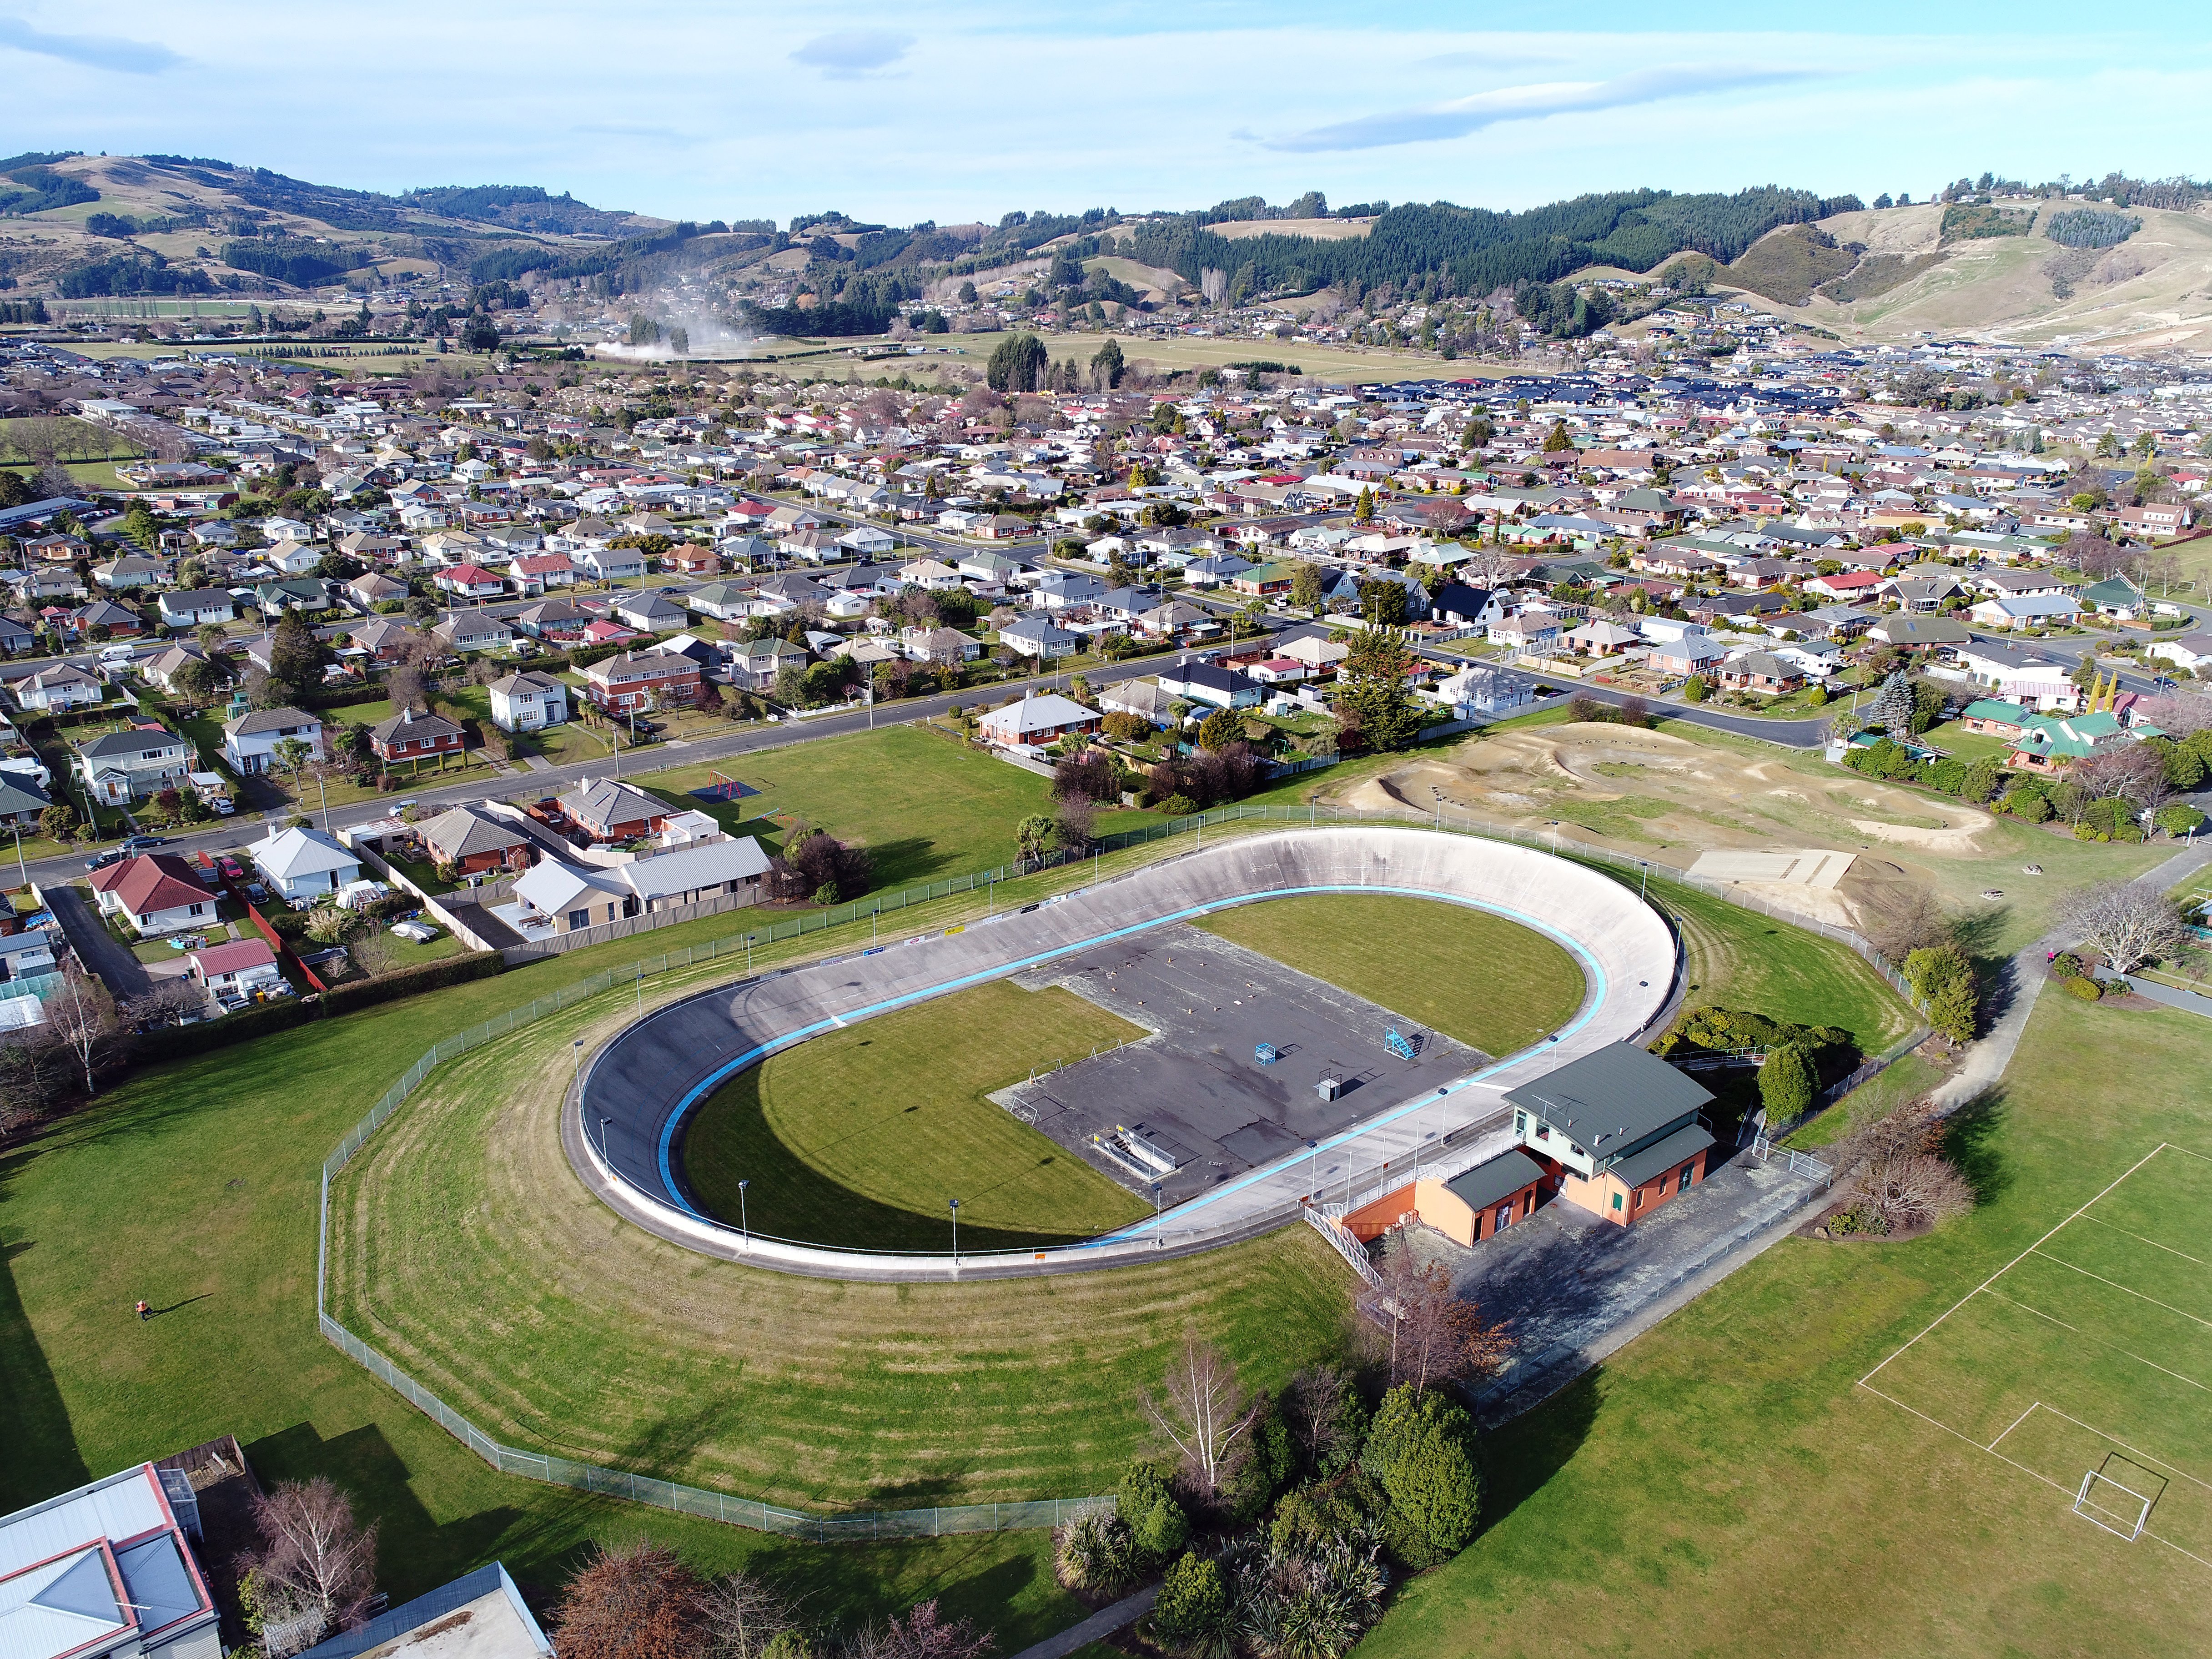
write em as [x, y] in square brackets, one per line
[1094, 1552]
[1194, 1603]
[2180, 819]
[1695, 689]
[1421, 1449]
[2028, 803]
[2085, 988]
[1178, 806]
[1156, 1524]
[1945, 980]
[1786, 1084]
[1816, 696]
[2066, 965]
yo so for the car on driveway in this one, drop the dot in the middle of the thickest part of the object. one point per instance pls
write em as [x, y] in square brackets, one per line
[232, 871]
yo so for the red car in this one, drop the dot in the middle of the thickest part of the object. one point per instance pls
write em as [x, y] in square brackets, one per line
[230, 869]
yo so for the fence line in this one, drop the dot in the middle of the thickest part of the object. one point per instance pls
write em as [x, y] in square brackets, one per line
[752, 1512]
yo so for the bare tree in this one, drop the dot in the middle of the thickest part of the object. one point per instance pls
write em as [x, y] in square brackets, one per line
[315, 1569]
[1896, 1167]
[922, 1633]
[744, 1616]
[162, 1003]
[1203, 1411]
[632, 1601]
[2134, 773]
[1908, 919]
[2179, 713]
[1435, 1337]
[2126, 923]
[83, 1018]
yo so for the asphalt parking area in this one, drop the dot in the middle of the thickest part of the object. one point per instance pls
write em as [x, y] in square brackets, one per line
[1191, 1105]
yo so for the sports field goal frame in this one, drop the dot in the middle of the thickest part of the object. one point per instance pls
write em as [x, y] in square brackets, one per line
[2094, 1514]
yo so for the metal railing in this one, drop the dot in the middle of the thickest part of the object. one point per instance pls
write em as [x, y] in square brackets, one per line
[752, 1512]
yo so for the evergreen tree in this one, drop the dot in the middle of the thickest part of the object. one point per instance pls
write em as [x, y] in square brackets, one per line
[1371, 694]
[1786, 1084]
[1017, 365]
[1893, 706]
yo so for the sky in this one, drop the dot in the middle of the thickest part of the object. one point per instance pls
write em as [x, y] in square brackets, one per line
[707, 109]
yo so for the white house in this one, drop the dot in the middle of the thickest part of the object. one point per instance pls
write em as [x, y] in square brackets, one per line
[528, 701]
[249, 742]
[59, 687]
[239, 965]
[122, 767]
[1038, 720]
[304, 864]
[608, 564]
[156, 894]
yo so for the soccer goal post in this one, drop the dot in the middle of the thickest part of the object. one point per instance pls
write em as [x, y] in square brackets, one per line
[2104, 1502]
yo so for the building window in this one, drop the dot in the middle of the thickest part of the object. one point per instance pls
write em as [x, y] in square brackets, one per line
[1616, 1201]
[1682, 1181]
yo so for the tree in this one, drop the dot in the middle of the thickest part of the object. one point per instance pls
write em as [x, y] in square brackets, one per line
[83, 1019]
[1016, 364]
[921, 1633]
[295, 657]
[314, 1568]
[1371, 694]
[57, 821]
[1074, 816]
[745, 1616]
[1033, 838]
[2127, 924]
[1893, 708]
[1908, 920]
[1435, 1337]
[633, 1600]
[1945, 980]
[1192, 1603]
[1220, 729]
[196, 679]
[1107, 365]
[1557, 440]
[1306, 586]
[1383, 602]
[291, 754]
[1896, 1170]
[1363, 510]
[1203, 1411]
[1423, 1447]
[1786, 1085]
[1158, 1526]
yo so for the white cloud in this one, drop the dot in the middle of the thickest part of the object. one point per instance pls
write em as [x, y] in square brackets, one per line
[93, 50]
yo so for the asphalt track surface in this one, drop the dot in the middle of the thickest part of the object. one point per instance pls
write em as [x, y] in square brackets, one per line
[621, 1123]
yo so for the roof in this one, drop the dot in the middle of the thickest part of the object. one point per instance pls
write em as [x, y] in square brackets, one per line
[1046, 714]
[609, 801]
[233, 957]
[1610, 1100]
[706, 865]
[151, 882]
[1499, 1178]
[419, 725]
[59, 1596]
[1993, 708]
[498, 1624]
[527, 680]
[136, 741]
[1661, 1156]
[469, 830]
[269, 719]
[294, 853]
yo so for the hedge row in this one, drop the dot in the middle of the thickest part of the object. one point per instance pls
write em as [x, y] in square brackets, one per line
[173, 1043]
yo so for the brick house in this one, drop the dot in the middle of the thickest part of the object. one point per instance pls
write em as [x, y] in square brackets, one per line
[413, 735]
[639, 680]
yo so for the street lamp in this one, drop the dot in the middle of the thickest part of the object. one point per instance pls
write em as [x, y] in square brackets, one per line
[745, 1221]
[604, 1156]
[955, 1204]
[1313, 1158]
[576, 1062]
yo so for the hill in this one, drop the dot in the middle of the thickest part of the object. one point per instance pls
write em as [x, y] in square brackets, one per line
[2054, 273]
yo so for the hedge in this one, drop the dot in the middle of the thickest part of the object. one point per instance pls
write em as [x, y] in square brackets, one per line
[174, 1041]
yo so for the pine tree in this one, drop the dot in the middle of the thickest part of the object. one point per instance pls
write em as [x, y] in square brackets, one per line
[1893, 706]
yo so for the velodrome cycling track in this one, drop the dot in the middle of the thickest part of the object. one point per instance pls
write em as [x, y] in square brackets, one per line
[621, 1119]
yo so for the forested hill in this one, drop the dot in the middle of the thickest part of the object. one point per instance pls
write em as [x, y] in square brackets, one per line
[1477, 249]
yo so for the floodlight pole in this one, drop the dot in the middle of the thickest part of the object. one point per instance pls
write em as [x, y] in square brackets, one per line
[576, 1062]
[605, 1157]
[955, 1205]
[744, 1222]
[1313, 1159]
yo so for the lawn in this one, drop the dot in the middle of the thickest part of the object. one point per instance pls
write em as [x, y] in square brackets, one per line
[1491, 983]
[925, 806]
[859, 1137]
[1902, 1080]
[1739, 958]
[1723, 1474]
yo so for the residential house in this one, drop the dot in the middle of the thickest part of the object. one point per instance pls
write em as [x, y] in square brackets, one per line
[608, 564]
[2115, 597]
[105, 619]
[416, 736]
[1911, 632]
[242, 966]
[694, 559]
[304, 864]
[162, 668]
[372, 588]
[534, 573]
[251, 741]
[129, 571]
[1038, 637]
[2059, 609]
[528, 701]
[553, 619]
[59, 687]
[1215, 687]
[1761, 673]
[22, 800]
[637, 681]
[292, 593]
[608, 810]
[2038, 677]
[485, 1604]
[154, 893]
[939, 645]
[723, 601]
[1693, 651]
[1459, 605]
[573, 898]
[2189, 652]
[387, 641]
[108, 1571]
[755, 663]
[1532, 633]
[2052, 743]
[1142, 698]
[471, 630]
[473, 840]
[196, 607]
[1993, 717]
[470, 581]
[122, 767]
[652, 613]
[1037, 721]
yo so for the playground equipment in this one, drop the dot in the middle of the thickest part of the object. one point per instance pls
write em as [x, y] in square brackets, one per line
[724, 788]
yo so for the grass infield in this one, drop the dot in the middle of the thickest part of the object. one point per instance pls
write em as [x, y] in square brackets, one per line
[1491, 983]
[859, 1137]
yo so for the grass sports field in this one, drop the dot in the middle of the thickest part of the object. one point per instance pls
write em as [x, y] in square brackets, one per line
[926, 807]
[858, 1137]
[1486, 982]
[1725, 1477]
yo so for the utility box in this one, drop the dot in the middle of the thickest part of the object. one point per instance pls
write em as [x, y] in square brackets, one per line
[1328, 1088]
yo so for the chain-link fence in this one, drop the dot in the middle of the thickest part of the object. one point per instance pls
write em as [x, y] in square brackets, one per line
[1357, 1187]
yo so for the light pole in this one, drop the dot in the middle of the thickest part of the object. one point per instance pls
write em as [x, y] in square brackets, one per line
[604, 1121]
[745, 1221]
[21, 869]
[1313, 1160]
[749, 955]
[955, 1204]
[1439, 794]
[576, 1062]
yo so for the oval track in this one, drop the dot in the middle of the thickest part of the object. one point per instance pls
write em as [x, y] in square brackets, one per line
[644, 1081]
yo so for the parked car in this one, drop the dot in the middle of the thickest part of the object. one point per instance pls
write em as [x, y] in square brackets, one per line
[112, 855]
[232, 871]
[140, 843]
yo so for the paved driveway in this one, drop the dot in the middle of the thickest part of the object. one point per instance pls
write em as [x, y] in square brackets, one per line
[123, 972]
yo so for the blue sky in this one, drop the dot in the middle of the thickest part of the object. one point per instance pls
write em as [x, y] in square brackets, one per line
[707, 109]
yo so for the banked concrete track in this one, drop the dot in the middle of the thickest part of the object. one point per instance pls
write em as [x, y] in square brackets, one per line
[621, 1123]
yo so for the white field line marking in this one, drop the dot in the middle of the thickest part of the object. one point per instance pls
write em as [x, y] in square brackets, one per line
[2153, 1243]
[2142, 1457]
[2117, 1285]
[2001, 1272]
[2016, 1422]
[2113, 1347]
